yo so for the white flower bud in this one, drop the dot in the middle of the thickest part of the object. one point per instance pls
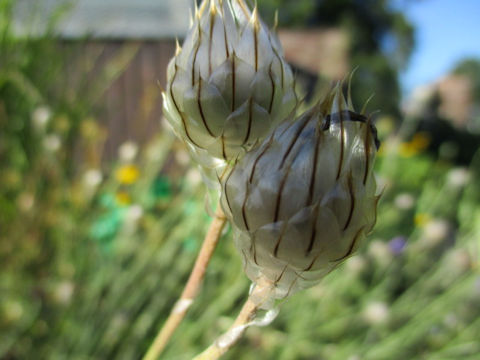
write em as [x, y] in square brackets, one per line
[229, 84]
[40, 118]
[128, 151]
[302, 201]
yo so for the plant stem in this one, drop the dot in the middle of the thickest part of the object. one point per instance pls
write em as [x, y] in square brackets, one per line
[261, 294]
[191, 288]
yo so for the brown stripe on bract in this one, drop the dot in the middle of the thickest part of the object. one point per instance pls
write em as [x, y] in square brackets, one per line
[282, 72]
[377, 199]
[233, 81]
[281, 275]
[245, 261]
[225, 33]
[342, 145]
[291, 287]
[253, 248]
[255, 40]
[367, 151]
[244, 204]
[313, 232]
[352, 246]
[244, 8]
[250, 118]
[279, 195]
[280, 238]
[311, 191]
[268, 144]
[270, 74]
[197, 48]
[311, 187]
[284, 179]
[178, 109]
[225, 187]
[224, 154]
[352, 200]
[200, 109]
[210, 39]
[309, 267]
[295, 138]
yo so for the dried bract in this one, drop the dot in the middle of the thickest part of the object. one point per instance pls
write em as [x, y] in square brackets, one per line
[229, 84]
[302, 202]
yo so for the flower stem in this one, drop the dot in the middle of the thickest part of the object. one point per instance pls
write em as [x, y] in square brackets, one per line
[259, 296]
[191, 288]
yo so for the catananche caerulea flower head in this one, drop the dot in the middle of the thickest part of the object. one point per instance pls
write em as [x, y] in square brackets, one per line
[303, 201]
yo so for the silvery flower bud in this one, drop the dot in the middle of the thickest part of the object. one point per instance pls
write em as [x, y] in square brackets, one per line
[303, 201]
[229, 84]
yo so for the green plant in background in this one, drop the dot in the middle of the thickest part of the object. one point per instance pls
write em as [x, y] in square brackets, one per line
[412, 292]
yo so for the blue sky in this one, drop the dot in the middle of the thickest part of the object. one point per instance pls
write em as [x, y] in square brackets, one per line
[447, 31]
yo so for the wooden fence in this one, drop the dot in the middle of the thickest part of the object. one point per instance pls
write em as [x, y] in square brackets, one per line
[123, 81]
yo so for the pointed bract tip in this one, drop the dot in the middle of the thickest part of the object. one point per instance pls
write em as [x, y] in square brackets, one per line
[202, 8]
[349, 91]
[178, 48]
[255, 18]
[364, 107]
[159, 84]
[213, 8]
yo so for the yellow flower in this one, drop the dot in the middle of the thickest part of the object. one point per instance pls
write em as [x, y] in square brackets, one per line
[422, 219]
[127, 174]
[407, 150]
[419, 142]
[123, 198]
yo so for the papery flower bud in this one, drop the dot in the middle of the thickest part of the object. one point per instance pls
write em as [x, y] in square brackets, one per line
[229, 84]
[302, 201]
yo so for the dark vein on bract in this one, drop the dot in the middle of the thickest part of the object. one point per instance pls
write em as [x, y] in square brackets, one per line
[291, 287]
[309, 267]
[352, 246]
[377, 199]
[280, 238]
[244, 204]
[352, 201]
[270, 107]
[342, 145]
[255, 40]
[195, 56]
[212, 24]
[250, 117]
[281, 275]
[224, 154]
[224, 32]
[367, 152]
[233, 82]
[202, 115]
[282, 72]
[268, 144]
[225, 189]
[313, 234]
[279, 195]
[253, 249]
[178, 109]
[311, 187]
[292, 143]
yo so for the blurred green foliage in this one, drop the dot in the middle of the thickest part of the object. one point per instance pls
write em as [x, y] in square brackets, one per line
[381, 41]
[471, 69]
[93, 257]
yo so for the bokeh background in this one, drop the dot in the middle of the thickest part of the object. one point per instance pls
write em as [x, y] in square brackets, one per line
[102, 212]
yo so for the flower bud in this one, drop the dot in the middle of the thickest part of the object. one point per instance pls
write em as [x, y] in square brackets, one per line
[229, 84]
[302, 201]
